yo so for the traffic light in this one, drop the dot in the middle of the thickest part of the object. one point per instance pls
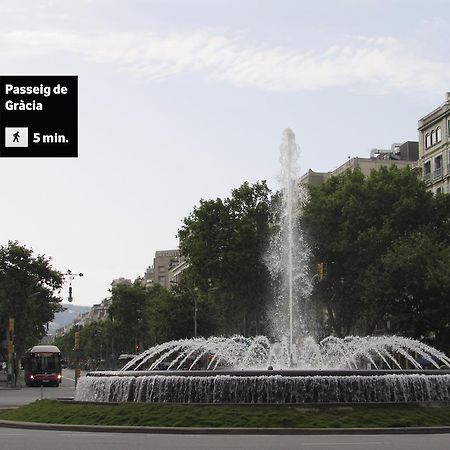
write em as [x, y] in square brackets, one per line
[77, 340]
[11, 324]
[322, 271]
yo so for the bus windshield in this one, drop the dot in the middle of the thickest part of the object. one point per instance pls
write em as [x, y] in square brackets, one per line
[44, 363]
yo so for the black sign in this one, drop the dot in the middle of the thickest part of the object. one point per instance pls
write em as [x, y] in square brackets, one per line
[38, 116]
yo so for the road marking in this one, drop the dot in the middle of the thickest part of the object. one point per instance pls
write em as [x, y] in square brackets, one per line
[86, 434]
[11, 434]
[343, 443]
[67, 378]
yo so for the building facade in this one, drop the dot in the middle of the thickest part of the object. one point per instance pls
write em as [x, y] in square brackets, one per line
[400, 155]
[434, 148]
[164, 262]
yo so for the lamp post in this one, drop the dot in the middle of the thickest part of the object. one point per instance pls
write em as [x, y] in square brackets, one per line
[194, 296]
[195, 316]
[71, 276]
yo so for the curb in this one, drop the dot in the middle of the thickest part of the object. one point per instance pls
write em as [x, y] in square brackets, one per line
[187, 430]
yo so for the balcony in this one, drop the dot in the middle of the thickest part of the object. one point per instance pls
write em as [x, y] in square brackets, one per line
[427, 178]
[437, 173]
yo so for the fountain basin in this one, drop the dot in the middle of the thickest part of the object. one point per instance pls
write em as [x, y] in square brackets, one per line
[263, 386]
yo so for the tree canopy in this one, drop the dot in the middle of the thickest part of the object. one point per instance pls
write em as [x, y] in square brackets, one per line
[29, 289]
[383, 238]
[225, 242]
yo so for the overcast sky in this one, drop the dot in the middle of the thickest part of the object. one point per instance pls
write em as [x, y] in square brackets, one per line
[187, 99]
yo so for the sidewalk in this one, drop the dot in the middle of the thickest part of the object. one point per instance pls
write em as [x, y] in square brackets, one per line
[4, 381]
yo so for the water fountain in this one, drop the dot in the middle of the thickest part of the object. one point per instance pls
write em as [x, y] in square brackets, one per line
[235, 369]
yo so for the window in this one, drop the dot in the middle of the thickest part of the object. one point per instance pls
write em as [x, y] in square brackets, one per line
[433, 137]
[427, 172]
[438, 166]
[438, 162]
[427, 140]
[161, 269]
[438, 134]
[162, 280]
[448, 128]
[439, 190]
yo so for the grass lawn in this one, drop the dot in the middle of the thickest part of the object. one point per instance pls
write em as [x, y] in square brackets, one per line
[254, 416]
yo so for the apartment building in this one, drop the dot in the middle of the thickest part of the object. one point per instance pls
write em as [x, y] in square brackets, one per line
[434, 148]
[162, 270]
[400, 154]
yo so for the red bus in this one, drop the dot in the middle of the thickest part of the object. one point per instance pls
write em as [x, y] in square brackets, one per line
[42, 366]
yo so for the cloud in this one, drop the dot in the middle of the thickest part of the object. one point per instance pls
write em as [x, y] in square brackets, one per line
[381, 64]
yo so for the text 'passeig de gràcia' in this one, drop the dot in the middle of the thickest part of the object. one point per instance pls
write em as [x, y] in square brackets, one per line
[31, 105]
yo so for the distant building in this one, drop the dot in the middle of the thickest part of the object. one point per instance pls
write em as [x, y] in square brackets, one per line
[120, 280]
[177, 270]
[400, 155]
[164, 262]
[99, 311]
[434, 148]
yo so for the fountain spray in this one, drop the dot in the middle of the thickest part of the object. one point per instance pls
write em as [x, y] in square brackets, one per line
[288, 258]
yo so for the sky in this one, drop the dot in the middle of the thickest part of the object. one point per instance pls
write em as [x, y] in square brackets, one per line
[187, 99]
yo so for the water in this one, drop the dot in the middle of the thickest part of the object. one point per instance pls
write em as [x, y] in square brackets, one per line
[239, 353]
[265, 388]
[295, 347]
[288, 256]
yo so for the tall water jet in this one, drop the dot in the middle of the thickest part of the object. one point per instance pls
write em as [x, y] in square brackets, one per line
[288, 255]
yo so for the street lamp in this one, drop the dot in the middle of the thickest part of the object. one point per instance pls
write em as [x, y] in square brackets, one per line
[195, 316]
[194, 296]
[71, 276]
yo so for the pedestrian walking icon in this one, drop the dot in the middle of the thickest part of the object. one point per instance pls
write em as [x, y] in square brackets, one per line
[16, 137]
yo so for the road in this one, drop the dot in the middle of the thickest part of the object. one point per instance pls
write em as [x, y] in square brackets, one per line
[17, 397]
[14, 439]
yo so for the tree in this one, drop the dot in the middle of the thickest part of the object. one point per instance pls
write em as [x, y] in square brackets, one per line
[180, 310]
[411, 285]
[66, 344]
[127, 311]
[97, 344]
[145, 316]
[225, 242]
[28, 293]
[359, 226]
